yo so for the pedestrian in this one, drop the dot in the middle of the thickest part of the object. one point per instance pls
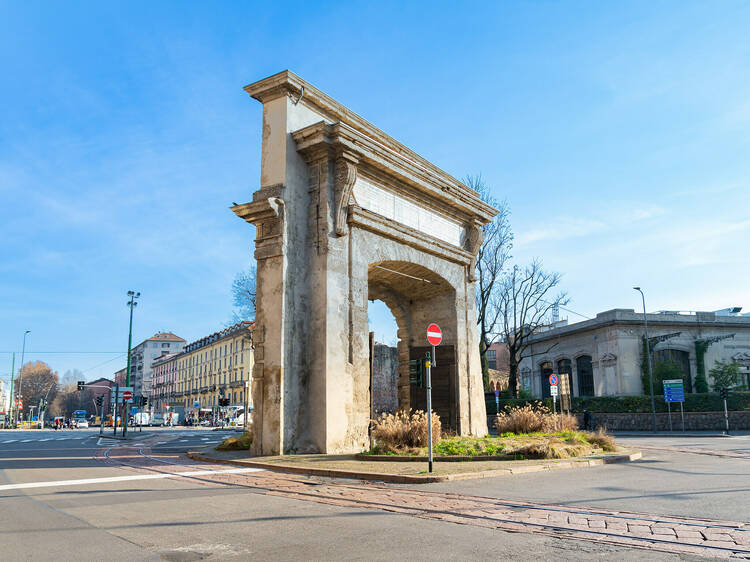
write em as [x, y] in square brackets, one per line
[586, 420]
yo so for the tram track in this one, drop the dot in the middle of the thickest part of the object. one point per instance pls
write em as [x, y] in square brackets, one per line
[618, 528]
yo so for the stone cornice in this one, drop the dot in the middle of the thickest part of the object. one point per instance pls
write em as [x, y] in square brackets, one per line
[373, 222]
[353, 126]
[339, 137]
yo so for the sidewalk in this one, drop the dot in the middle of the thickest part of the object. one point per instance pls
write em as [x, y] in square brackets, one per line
[676, 433]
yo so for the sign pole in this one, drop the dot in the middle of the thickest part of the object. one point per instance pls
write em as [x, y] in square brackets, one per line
[434, 337]
[726, 415]
[682, 417]
[114, 409]
[429, 413]
[669, 409]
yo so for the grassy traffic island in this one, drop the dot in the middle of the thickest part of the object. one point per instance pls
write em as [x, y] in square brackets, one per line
[402, 439]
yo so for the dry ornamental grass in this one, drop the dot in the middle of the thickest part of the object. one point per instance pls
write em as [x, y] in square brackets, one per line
[404, 431]
[533, 419]
[240, 443]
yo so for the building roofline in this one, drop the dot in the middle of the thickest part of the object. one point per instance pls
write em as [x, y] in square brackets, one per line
[629, 317]
[230, 331]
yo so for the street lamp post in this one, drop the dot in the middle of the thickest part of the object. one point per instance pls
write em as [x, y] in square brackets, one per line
[648, 361]
[11, 413]
[132, 304]
[20, 372]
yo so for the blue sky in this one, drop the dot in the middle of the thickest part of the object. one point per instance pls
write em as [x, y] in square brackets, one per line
[619, 133]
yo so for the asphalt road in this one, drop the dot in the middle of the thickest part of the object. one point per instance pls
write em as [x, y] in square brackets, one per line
[119, 508]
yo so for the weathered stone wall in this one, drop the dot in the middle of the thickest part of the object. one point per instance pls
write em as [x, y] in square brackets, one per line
[316, 248]
[694, 421]
[384, 378]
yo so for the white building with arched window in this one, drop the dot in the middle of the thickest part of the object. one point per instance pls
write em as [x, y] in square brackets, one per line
[603, 355]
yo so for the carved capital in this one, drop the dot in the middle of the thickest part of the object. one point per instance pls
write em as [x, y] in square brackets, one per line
[346, 175]
[474, 239]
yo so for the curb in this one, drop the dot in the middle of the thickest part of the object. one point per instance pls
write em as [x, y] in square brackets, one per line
[408, 479]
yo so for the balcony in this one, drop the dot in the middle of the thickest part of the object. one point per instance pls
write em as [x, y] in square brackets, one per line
[204, 389]
[236, 384]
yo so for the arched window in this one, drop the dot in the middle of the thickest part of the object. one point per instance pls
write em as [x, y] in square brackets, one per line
[679, 358]
[492, 385]
[545, 370]
[585, 376]
[564, 367]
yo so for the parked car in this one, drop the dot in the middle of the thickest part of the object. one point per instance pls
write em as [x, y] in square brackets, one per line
[157, 420]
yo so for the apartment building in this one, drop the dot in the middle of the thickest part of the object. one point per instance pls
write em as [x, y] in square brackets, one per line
[142, 358]
[205, 370]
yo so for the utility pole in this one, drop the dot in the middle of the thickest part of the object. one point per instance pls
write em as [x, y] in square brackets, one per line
[20, 371]
[12, 398]
[648, 361]
[132, 304]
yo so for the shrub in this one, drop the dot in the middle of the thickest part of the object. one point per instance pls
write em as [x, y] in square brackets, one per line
[533, 419]
[694, 402]
[725, 374]
[241, 443]
[603, 439]
[403, 431]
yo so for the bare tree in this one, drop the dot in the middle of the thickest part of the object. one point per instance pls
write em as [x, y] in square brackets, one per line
[39, 381]
[492, 257]
[243, 295]
[525, 307]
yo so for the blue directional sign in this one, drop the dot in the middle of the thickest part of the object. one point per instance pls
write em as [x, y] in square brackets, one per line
[674, 391]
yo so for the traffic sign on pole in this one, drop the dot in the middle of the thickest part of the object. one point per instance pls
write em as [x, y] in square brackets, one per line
[127, 395]
[553, 380]
[434, 334]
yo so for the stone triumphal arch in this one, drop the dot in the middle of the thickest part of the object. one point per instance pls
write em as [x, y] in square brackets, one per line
[345, 214]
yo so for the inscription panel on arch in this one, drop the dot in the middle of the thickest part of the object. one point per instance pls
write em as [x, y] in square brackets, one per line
[404, 211]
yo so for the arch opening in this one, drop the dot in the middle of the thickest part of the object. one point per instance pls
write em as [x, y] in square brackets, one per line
[417, 297]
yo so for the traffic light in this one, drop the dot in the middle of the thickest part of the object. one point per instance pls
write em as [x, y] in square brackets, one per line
[144, 400]
[724, 392]
[416, 372]
[81, 385]
[223, 401]
[42, 405]
[99, 400]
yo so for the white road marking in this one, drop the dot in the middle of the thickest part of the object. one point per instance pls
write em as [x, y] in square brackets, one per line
[26, 440]
[57, 483]
[10, 441]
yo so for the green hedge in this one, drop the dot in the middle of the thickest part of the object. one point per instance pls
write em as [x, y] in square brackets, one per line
[707, 402]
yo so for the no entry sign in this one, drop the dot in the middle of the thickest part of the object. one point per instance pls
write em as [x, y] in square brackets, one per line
[434, 334]
[127, 395]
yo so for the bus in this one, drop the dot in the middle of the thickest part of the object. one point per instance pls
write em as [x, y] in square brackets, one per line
[79, 419]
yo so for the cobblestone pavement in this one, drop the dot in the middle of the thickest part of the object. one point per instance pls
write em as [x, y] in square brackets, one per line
[719, 539]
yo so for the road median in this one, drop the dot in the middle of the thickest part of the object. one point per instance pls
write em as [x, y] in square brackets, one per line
[349, 466]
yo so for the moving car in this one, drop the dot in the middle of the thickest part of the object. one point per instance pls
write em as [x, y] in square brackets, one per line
[157, 420]
[81, 423]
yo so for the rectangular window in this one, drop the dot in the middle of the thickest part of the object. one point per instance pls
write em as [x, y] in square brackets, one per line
[491, 354]
[492, 365]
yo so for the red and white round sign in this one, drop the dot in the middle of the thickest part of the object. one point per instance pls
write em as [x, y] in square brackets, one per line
[127, 395]
[434, 334]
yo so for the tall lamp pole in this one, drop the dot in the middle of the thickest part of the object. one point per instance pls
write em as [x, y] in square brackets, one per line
[20, 371]
[132, 304]
[11, 413]
[648, 361]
